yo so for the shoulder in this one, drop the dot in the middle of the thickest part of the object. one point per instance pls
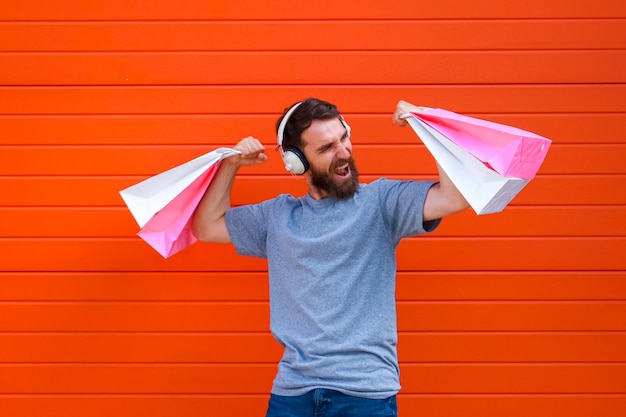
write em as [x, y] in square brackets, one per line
[384, 186]
[376, 186]
[283, 201]
[271, 206]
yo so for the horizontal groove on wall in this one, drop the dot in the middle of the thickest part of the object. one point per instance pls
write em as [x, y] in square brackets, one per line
[518, 313]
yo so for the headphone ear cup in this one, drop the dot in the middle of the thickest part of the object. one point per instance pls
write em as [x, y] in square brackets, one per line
[295, 161]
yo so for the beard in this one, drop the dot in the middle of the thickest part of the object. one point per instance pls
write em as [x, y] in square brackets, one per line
[340, 190]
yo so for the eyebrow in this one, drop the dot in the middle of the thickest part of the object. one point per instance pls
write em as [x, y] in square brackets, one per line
[329, 145]
[324, 147]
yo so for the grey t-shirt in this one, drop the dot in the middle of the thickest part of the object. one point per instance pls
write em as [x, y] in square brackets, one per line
[332, 270]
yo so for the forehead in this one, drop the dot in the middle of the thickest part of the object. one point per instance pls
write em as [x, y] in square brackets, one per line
[323, 131]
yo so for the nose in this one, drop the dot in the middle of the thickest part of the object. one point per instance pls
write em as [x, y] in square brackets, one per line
[344, 151]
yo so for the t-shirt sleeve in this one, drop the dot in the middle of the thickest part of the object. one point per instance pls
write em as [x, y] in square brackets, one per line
[403, 204]
[247, 226]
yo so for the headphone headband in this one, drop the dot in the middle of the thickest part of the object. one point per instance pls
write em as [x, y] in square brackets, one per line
[283, 123]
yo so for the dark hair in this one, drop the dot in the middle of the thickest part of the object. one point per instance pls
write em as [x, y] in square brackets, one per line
[300, 120]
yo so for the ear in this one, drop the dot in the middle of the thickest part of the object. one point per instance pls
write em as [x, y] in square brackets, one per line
[295, 161]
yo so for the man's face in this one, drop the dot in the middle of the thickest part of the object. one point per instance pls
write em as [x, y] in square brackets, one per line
[328, 149]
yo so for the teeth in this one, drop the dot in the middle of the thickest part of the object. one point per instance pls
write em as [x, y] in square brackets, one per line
[342, 170]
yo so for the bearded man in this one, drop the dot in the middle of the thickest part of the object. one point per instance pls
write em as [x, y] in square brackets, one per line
[331, 261]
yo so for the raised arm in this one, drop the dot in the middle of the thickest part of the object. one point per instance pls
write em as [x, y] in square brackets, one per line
[443, 198]
[209, 222]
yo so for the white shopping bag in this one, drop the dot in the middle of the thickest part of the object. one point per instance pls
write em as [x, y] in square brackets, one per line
[484, 189]
[150, 196]
[163, 205]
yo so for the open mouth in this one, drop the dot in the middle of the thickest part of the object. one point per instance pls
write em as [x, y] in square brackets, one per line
[342, 170]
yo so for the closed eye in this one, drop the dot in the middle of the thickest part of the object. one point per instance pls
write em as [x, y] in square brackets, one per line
[324, 148]
[328, 146]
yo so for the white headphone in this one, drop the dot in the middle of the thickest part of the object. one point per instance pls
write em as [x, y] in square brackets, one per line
[293, 158]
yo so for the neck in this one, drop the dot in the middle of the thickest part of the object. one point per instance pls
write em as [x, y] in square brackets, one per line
[313, 191]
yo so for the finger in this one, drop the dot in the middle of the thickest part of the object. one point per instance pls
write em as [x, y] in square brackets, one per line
[262, 157]
[250, 146]
[398, 119]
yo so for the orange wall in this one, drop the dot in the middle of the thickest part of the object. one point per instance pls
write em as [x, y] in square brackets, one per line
[515, 314]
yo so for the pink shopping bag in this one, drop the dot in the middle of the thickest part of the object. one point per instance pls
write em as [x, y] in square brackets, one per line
[163, 204]
[169, 231]
[512, 152]
[484, 189]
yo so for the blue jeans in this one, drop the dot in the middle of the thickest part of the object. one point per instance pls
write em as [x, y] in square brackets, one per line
[330, 403]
